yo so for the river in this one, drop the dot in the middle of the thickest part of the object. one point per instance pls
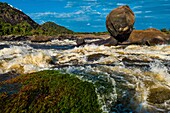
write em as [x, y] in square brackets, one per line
[131, 78]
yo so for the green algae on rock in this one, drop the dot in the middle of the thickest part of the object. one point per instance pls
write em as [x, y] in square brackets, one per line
[49, 91]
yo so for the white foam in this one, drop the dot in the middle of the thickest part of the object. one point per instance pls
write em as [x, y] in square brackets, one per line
[160, 70]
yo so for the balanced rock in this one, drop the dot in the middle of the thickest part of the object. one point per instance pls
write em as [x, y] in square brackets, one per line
[147, 37]
[119, 23]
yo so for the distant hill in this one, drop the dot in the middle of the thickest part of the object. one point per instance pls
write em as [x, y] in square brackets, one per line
[14, 16]
[14, 21]
[51, 28]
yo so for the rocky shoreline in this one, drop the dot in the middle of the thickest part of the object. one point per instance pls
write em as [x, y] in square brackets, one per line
[40, 39]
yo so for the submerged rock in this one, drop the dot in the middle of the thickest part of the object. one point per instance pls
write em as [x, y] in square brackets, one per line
[119, 23]
[95, 57]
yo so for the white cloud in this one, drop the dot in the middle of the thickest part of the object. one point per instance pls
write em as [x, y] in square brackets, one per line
[81, 18]
[98, 20]
[88, 24]
[106, 9]
[79, 12]
[86, 8]
[149, 16]
[90, 0]
[138, 12]
[137, 7]
[42, 22]
[14, 7]
[69, 4]
[119, 4]
[97, 26]
[148, 11]
[73, 16]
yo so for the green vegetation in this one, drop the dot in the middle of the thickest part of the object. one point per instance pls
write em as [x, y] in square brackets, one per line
[48, 91]
[95, 33]
[22, 28]
[51, 28]
[165, 30]
[15, 22]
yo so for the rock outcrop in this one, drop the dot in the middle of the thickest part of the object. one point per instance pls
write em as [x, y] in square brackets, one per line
[119, 23]
[14, 38]
[147, 37]
[40, 39]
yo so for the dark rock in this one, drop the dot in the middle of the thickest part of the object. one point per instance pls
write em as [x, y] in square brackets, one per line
[80, 41]
[159, 95]
[14, 38]
[135, 62]
[7, 76]
[107, 42]
[67, 36]
[119, 23]
[95, 57]
[147, 37]
[40, 39]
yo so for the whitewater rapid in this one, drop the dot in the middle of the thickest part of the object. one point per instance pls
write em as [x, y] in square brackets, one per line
[131, 78]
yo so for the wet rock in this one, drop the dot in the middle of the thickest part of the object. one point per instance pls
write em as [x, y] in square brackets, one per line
[67, 36]
[107, 42]
[40, 39]
[95, 57]
[147, 37]
[159, 95]
[135, 62]
[80, 41]
[7, 76]
[119, 23]
[14, 38]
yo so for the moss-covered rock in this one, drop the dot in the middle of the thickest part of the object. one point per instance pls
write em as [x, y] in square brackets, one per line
[48, 91]
[159, 95]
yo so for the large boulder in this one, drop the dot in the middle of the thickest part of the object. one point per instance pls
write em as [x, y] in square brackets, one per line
[119, 23]
[147, 37]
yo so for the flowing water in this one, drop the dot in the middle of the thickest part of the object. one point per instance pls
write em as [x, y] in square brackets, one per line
[127, 79]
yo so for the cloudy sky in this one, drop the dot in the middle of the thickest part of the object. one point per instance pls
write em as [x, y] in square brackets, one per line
[90, 15]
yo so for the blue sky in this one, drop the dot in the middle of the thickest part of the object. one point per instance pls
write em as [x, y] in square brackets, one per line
[90, 15]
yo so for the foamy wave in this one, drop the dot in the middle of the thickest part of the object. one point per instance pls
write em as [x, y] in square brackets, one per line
[161, 71]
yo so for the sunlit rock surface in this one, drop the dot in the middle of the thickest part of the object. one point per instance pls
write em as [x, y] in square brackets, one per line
[119, 23]
[148, 37]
